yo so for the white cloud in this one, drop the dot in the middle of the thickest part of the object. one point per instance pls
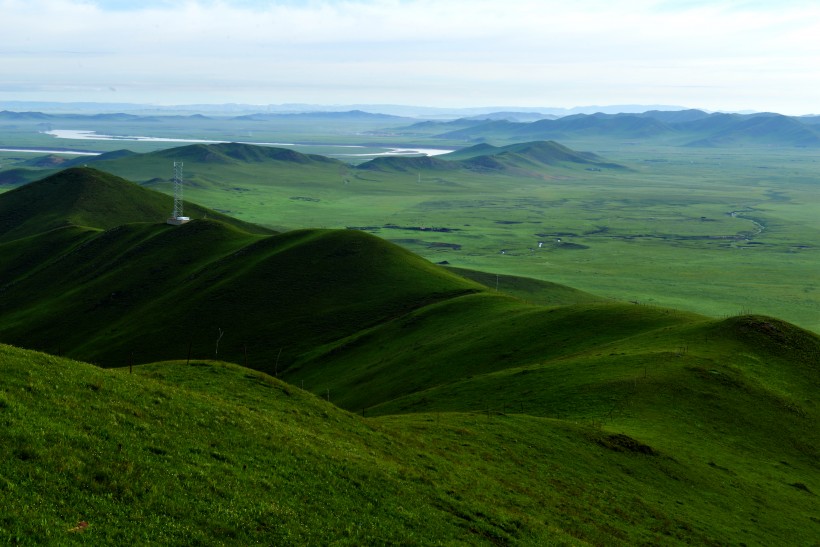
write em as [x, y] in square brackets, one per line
[703, 54]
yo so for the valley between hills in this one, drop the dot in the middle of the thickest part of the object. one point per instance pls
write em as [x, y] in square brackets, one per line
[237, 381]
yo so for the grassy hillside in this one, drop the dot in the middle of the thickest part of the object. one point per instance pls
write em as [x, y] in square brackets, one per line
[238, 153]
[106, 296]
[533, 291]
[91, 198]
[213, 453]
[474, 335]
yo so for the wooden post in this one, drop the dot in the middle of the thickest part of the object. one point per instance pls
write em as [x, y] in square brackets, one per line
[130, 363]
[188, 361]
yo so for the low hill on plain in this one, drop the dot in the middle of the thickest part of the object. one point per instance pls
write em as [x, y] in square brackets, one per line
[527, 158]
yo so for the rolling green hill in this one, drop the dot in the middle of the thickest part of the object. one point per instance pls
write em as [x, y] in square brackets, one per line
[407, 165]
[237, 153]
[113, 292]
[102, 292]
[91, 198]
[535, 416]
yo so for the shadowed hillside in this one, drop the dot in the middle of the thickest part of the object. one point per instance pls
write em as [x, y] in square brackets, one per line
[237, 153]
[91, 198]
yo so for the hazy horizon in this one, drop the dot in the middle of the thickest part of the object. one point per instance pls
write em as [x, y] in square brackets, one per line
[730, 55]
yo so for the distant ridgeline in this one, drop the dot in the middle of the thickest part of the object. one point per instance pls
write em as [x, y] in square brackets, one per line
[534, 159]
[693, 128]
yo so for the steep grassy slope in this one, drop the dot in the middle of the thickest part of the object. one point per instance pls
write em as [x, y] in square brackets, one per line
[213, 453]
[87, 197]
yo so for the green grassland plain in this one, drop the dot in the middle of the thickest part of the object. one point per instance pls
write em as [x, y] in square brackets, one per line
[712, 230]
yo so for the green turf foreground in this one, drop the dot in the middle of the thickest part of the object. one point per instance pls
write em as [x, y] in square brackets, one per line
[211, 453]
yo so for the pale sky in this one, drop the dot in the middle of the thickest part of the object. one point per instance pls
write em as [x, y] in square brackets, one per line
[716, 55]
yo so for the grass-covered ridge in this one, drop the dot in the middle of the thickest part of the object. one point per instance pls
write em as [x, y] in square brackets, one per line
[109, 297]
[210, 452]
[87, 197]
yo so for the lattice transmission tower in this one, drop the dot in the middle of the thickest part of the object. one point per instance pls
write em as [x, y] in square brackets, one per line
[176, 216]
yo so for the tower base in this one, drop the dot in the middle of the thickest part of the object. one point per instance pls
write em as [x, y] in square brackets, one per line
[176, 221]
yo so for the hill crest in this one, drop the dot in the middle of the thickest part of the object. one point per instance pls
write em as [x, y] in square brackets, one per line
[228, 153]
[526, 157]
[83, 196]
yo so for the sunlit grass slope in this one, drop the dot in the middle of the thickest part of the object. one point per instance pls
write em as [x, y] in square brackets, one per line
[534, 291]
[464, 337]
[214, 453]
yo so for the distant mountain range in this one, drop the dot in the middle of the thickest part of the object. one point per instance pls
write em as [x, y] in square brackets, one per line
[412, 111]
[694, 128]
